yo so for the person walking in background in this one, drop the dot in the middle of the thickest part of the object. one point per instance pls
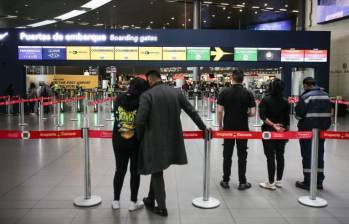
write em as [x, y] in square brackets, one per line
[32, 95]
[125, 143]
[159, 129]
[238, 104]
[274, 111]
[313, 111]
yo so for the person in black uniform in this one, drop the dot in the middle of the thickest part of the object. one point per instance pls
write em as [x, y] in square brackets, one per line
[125, 143]
[238, 104]
[275, 113]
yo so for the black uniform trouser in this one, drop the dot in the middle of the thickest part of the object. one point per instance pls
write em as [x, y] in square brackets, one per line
[242, 159]
[122, 156]
[274, 150]
[157, 189]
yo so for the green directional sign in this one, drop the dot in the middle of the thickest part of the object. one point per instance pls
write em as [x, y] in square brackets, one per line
[198, 54]
[245, 54]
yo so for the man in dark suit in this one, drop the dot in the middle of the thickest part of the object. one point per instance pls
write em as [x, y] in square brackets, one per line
[159, 129]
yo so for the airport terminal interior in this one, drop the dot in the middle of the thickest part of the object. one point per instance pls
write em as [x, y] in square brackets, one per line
[64, 65]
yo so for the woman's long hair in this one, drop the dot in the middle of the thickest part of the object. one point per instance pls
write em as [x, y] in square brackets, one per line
[137, 87]
[276, 88]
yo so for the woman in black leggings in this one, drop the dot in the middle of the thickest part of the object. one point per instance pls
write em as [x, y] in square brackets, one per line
[275, 113]
[125, 143]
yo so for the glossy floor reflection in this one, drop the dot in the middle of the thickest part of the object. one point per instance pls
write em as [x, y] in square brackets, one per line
[40, 178]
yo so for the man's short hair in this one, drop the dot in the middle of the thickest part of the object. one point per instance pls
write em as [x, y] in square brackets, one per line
[309, 81]
[153, 73]
[238, 76]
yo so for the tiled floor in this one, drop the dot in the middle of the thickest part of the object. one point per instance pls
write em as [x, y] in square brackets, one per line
[40, 178]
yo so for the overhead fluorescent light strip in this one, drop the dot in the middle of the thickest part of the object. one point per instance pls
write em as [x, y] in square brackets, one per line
[43, 23]
[95, 4]
[70, 14]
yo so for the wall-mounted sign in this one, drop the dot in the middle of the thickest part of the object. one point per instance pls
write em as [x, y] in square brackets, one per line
[54, 53]
[269, 54]
[174, 53]
[245, 54]
[102, 53]
[315, 56]
[126, 53]
[198, 53]
[78, 53]
[150, 53]
[292, 55]
[29, 53]
[222, 54]
[66, 81]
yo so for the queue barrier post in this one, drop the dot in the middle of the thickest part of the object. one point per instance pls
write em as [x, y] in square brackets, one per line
[336, 112]
[313, 200]
[206, 202]
[98, 124]
[8, 107]
[196, 102]
[257, 124]
[74, 111]
[88, 200]
[41, 114]
[208, 109]
[22, 123]
[58, 117]
[111, 118]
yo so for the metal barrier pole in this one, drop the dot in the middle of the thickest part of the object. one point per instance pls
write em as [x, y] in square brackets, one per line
[58, 118]
[74, 118]
[88, 200]
[196, 102]
[313, 200]
[54, 108]
[98, 124]
[209, 114]
[22, 123]
[42, 110]
[206, 201]
[336, 112]
[257, 113]
[8, 106]
[111, 118]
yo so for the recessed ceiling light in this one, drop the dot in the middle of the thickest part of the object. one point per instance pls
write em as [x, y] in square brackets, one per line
[189, 20]
[69, 22]
[255, 7]
[207, 2]
[84, 23]
[173, 18]
[286, 6]
[183, 24]
[223, 3]
[228, 17]
[11, 17]
[270, 8]
[151, 22]
[98, 24]
[223, 8]
[167, 24]
[93, 4]
[284, 10]
[42, 23]
[240, 10]
[255, 12]
[213, 16]
[241, 6]
[265, 4]
[163, 27]
[26, 5]
[16, 11]
[97, 12]
[70, 14]
[296, 11]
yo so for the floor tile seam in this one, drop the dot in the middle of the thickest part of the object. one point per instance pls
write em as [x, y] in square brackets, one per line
[178, 206]
[226, 204]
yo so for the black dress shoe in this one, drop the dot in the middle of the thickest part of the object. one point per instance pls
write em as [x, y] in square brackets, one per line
[160, 211]
[148, 203]
[244, 186]
[224, 184]
[302, 185]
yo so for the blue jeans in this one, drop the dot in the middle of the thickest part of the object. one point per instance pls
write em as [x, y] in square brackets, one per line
[306, 156]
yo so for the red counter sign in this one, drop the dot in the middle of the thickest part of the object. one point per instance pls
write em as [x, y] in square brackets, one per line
[292, 55]
[315, 56]
[334, 135]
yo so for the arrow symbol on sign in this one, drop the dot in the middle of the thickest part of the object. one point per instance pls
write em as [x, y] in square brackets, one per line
[218, 53]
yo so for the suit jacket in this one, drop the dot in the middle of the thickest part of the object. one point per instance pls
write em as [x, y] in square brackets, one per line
[159, 128]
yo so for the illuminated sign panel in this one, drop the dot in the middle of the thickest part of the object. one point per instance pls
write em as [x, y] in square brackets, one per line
[102, 53]
[126, 53]
[315, 56]
[292, 55]
[54, 53]
[222, 54]
[269, 54]
[174, 53]
[78, 53]
[198, 53]
[245, 54]
[150, 53]
[29, 53]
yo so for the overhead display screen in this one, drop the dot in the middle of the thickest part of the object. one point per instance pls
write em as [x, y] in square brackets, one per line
[102, 53]
[78, 53]
[150, 53]
[280, 25]
[245, 54]
[174, 53]
[54, 53]
[292, 55]
[29, 53]
[269, 54]
[222, 54]
[330, 10]
[198, 54]
[126, 53]
[315, 56]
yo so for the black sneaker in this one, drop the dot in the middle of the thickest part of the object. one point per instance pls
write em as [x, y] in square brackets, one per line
[160, 211]
[149, 204]
[302, 185]
[224, 184]
[244, 186]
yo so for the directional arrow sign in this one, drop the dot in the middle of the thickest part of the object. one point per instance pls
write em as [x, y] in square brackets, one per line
[222, 54]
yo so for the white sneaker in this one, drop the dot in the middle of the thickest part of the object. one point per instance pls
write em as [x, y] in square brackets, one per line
[115, 205]
[278, 184]
[134, 206]
[267, 185]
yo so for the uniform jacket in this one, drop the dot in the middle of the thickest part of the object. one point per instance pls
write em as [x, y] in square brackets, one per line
[314, 110]
[159, 128]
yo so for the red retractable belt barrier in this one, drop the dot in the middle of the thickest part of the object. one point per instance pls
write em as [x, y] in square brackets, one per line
[193, 134]
[236, 135]
[10, 135]
[294, 99]
[101, 101]
[334, 135]
[262, 135]
[343, 102]
[55, 134]
[63, 101]
[100, 134]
